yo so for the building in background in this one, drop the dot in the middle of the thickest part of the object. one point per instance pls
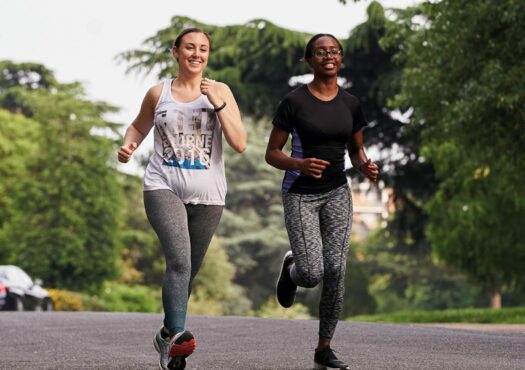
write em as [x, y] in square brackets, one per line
[372, 205]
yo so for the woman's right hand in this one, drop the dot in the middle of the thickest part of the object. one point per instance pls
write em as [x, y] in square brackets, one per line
[126, 151]
[313, 167]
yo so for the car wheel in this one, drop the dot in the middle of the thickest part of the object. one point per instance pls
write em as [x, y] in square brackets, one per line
[18, 304]
[47, 305]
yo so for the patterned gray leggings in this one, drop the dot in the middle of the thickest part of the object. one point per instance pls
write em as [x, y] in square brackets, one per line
[319, 227]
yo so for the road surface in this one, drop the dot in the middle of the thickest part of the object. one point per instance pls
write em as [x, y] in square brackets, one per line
[90, 340]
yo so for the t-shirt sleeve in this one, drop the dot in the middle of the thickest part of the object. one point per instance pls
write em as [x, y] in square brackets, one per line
[283, 116]
[359, 120]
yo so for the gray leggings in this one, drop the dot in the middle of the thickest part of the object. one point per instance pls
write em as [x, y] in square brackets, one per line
[319, 227]
[185, 232]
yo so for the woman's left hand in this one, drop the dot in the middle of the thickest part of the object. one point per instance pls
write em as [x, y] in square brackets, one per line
[210, 88]
[370, 170]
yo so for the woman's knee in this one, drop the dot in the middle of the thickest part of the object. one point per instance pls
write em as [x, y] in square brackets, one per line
[334, 271]
[309, 279]
[178, 266]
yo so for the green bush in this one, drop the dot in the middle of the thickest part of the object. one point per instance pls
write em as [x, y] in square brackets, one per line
[272, 309]
[66, 300]
[131, 298]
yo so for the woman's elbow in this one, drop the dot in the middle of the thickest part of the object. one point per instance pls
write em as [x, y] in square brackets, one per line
[242, 149]
[239, 147]
[268, 158]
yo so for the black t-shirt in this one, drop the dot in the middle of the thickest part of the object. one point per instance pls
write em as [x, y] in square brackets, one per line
[320, 129]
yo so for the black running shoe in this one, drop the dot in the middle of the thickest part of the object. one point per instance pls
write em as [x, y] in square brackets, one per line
[326, 359]
[286, 288]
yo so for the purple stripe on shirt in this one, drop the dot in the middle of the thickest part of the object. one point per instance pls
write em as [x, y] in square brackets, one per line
[297, 152]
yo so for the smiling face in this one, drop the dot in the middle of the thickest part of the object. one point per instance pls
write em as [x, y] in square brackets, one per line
[192, 53]
[326, 57]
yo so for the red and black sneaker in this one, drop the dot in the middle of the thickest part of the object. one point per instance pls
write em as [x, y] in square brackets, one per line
[183, 344]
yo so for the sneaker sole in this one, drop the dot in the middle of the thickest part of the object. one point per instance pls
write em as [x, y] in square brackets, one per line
[323, 367]
[184, 345]
[177, 363]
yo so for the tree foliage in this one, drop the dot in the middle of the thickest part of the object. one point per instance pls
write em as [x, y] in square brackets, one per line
[214, 285]
[63, 209]
[465, 77]
[17, 146]
[398, 263]
[374, 78]
[375, 67]
[404, 280]
[141, 255]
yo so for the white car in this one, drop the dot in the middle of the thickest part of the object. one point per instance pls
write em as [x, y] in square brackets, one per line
[19, 293]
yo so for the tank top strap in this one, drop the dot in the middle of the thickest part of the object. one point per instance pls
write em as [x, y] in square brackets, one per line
[165, 95]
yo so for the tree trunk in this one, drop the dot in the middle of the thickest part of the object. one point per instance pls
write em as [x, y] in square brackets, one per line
[495, 300]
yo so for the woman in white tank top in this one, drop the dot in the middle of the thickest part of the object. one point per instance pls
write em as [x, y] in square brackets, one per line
[184, 183]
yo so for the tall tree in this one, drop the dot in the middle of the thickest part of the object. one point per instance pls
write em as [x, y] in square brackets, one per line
[373, 70]
[17, 147]
[465, 76]
[18, 78]
[64, 210]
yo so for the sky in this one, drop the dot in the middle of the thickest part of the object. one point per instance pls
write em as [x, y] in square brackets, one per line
[79, 40]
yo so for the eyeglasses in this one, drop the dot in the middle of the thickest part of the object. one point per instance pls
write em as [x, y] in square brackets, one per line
[323, 52]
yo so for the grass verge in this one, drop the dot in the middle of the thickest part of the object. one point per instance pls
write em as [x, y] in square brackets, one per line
[511, 315]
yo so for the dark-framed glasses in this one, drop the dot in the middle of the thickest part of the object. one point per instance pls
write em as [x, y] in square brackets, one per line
[332, 52]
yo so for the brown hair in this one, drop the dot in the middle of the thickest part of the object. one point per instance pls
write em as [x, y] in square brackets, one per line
[184, 32]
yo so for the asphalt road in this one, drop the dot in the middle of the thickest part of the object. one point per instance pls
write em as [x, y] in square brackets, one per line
[71, 340]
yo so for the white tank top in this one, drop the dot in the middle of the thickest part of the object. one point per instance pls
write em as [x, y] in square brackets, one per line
[187, 151]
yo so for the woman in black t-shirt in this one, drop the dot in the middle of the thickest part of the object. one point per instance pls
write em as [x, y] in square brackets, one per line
[323, 121]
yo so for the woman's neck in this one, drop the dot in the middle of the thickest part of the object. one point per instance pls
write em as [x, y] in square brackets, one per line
[188, 82]
[186, 89]
[324, 89]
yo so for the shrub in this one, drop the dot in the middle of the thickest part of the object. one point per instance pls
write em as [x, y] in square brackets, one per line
[65, 300]
[272, 309]
[131, 298]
